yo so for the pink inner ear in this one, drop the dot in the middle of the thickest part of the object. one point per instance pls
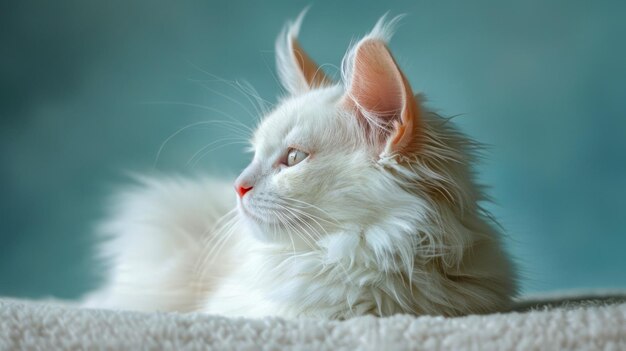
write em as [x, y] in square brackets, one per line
[377, 84]
[383, 95]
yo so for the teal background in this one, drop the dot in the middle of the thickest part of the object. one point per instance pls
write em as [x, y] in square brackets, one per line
[91, 89]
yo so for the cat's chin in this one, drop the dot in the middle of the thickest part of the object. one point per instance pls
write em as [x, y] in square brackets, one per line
[260, 229]
[265, 236]
[271, 234]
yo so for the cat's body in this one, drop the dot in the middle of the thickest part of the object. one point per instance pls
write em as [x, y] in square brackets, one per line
[358, 201]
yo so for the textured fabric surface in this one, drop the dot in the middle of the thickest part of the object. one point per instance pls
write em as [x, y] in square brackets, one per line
[45, 326]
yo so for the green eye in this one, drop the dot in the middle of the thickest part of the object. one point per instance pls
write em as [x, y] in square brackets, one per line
[295, 156]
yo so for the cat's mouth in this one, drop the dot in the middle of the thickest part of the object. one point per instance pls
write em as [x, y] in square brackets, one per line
[272, 218]
[253, 215]
[247, 212]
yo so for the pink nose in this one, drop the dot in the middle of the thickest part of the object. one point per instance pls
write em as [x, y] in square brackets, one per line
[241, 190]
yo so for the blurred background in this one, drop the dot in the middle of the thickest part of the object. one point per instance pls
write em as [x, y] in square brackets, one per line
[90, 90]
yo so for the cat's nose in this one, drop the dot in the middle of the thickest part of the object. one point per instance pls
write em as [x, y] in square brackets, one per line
[247, 179]
[242, 190]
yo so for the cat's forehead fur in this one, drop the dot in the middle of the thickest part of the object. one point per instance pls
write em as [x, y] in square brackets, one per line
[310, 121]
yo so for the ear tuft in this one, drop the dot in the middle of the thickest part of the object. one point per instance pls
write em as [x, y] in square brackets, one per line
[383, 31]
[297, 72]
[384, 28]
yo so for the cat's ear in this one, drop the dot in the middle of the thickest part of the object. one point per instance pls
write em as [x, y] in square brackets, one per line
[297, 72]
[379, 93]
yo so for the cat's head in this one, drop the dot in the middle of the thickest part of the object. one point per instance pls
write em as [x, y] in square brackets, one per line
[336, 156]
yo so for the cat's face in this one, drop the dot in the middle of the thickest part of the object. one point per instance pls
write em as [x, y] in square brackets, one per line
[321, 187]
[315, 167]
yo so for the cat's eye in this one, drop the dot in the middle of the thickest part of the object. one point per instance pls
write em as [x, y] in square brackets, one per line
[295, 156]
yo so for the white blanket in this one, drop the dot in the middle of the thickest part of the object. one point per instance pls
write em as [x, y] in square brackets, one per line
[595, 325]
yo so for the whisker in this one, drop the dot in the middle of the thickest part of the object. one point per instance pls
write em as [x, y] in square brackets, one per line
[220, 232]
[208, 146]
[205, 153]
[313, 206]
[310, 215]
[247, 91]
[296, 218]
[203, 107]
[229, 98]
[304, 238]
[293, 244]
[173, 135]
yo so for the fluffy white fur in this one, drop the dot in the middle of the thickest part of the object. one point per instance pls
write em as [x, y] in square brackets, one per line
[358, 227]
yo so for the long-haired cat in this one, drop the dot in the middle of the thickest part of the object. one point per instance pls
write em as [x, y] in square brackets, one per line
[359, 200]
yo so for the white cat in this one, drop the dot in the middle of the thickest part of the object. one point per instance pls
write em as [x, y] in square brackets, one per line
[359, 200]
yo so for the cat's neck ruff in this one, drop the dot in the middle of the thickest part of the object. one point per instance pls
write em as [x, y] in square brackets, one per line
[390, 266]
